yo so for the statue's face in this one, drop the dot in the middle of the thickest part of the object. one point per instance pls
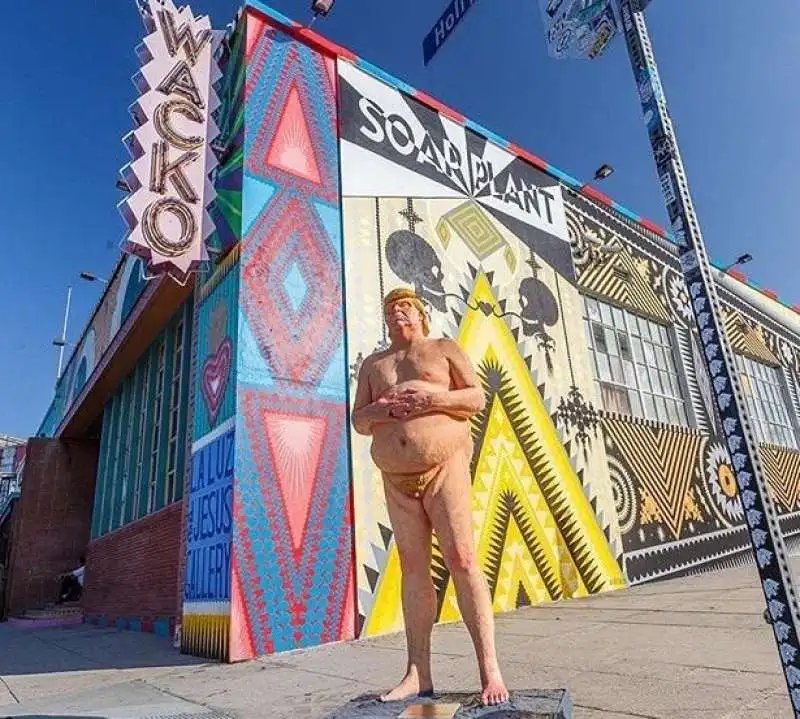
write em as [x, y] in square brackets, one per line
[403, 318]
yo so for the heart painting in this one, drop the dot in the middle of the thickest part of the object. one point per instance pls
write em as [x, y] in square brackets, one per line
[216, 372]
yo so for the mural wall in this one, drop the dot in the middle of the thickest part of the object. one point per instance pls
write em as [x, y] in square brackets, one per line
[208, 510]
[674, 488]
[292, 570]
[226, 210]
[482, 238]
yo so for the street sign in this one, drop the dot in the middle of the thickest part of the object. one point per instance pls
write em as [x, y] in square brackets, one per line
[578, 28]
[450, 19]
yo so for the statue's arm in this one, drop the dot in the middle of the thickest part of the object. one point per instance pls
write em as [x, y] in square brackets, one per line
[366, 413]
[466, 396]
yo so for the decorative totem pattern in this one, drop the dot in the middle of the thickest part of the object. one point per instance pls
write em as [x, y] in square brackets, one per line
[217, 330]
[609, 268]
[292, 546]
[782, 467]
[747, 338]
[761, 518]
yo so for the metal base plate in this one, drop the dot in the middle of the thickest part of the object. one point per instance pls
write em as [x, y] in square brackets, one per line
[524, 704]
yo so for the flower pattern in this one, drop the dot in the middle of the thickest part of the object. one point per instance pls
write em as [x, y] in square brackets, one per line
[721, 484]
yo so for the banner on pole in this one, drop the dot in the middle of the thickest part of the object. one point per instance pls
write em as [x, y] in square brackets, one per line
[578, 29]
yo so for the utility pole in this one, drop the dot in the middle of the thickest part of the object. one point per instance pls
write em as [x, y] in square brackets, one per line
[760, 516]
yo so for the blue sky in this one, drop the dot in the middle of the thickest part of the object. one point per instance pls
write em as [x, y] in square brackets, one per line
[730, 75]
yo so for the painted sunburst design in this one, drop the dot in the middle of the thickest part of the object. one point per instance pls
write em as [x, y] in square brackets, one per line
[296, 447]
[292, 149]
[722, 484]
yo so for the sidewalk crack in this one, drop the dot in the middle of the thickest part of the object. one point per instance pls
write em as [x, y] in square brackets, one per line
[10, 690]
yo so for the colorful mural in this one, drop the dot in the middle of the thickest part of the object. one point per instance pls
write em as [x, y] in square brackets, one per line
[286, 535]
[208, 510]
[674, 487]
[217, 343]
[292, 542]
[226, 211]
[209, 528]
[494, 268]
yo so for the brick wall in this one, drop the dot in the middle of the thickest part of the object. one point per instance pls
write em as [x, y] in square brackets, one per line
[132, 574]
[51, 520]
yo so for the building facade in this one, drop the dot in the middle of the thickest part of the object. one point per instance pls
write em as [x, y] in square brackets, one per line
[200, 435]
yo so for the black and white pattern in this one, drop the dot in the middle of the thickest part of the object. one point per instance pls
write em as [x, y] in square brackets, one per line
[403, 148]
[791, 382]
[696, 379]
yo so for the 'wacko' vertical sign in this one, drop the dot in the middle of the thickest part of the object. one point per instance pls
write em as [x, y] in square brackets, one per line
[172, 158]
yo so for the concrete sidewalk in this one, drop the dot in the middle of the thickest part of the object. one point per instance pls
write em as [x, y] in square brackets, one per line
[687, 648]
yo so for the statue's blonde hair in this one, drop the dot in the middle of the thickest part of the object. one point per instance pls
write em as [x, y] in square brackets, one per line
[404, 293]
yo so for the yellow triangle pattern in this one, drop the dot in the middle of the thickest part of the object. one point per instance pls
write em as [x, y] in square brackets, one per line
[533, 525]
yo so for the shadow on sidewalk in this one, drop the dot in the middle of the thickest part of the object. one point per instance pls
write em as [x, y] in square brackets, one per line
[84, 648]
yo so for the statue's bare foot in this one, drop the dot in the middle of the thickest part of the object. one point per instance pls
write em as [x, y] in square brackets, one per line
[412, 685]
[494, 689]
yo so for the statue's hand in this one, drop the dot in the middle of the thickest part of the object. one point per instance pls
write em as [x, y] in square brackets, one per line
[382, 409]
[411, 402]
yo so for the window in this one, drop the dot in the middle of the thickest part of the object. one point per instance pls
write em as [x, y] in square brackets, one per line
[119, 403]
[633, 363]
[130, 401]
[138, 472]
[156, 436]
[763, 394]
[174, 414]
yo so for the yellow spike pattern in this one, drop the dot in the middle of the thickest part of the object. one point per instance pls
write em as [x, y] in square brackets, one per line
[206, 635]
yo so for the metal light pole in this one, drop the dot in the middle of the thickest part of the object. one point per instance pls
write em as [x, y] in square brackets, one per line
[760, 515]
[62, 341]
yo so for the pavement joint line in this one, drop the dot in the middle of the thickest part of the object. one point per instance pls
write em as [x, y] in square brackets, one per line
[611, 672]
[172, 694]
[721, 669]
[10, 690]
[676, 624]
[643, 589]
[433, 652]
[627, 714]
[669, 611]
[349, 680]
[754, 704]
[68, 650]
